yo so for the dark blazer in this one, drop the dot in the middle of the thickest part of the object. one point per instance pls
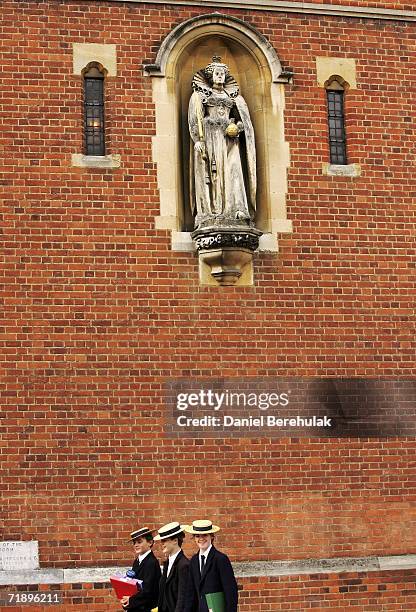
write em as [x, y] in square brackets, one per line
[172, 588]
[148, 571]
[218, 575]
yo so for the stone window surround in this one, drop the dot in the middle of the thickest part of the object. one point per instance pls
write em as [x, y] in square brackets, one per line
[84, 55]
[342, 71]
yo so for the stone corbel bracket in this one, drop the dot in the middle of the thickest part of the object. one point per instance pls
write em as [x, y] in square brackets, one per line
[226, 255]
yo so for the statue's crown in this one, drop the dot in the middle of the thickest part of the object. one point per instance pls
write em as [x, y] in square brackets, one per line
[216, 61]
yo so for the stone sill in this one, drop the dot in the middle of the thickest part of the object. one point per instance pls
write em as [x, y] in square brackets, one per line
[248, 569]
[182, 241]
[350, 170]
[95, 161]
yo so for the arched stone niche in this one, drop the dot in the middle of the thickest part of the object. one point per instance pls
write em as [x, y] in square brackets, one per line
[255, 65]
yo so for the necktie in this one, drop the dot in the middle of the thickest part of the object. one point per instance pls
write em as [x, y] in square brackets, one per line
[202, 563]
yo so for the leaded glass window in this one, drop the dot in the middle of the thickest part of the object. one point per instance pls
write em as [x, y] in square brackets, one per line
[336, 125]
[94, 131]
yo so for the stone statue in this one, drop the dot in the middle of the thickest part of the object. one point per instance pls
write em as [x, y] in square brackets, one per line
[223, 160]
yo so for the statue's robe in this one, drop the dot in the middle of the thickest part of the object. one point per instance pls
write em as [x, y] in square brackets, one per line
[223, 179]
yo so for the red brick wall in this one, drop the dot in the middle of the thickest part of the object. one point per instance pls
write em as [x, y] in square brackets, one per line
[98, 311]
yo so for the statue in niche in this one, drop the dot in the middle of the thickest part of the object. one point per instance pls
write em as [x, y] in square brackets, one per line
[223, 161]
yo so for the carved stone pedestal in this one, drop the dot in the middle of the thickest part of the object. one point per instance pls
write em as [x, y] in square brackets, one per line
[226, 254]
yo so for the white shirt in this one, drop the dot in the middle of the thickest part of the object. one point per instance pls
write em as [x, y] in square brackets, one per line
[141, 557]
[172, 560]
[204, 554]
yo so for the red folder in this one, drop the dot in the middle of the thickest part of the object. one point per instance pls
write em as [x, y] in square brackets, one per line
[124, 586]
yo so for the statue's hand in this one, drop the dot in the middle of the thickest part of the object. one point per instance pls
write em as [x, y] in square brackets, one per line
[200, 147]
[240, 126]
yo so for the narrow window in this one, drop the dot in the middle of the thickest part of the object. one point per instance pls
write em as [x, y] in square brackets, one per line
[94, 112]
[336, 124]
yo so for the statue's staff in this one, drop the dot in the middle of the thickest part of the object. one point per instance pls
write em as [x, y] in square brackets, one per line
[202, 140]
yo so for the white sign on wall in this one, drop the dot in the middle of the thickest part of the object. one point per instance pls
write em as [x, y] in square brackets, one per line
[19, 555]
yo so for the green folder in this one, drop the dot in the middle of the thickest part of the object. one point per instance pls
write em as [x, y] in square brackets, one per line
[215, 602]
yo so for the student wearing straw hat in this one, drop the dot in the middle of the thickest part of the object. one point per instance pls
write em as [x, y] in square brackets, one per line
[174, 581]
[145, 567]
[210, 571]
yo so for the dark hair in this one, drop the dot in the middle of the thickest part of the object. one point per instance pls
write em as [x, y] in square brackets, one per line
[147, 536]
[179, 536]
[210, 534]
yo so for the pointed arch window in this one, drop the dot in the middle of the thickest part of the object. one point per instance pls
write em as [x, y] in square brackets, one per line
[335, 93]
[94, 116]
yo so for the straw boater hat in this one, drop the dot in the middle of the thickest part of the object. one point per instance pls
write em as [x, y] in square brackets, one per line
[201, 527]
[139, 533]
[170, 530]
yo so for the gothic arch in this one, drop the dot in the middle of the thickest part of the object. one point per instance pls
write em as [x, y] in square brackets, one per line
[234, 27]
